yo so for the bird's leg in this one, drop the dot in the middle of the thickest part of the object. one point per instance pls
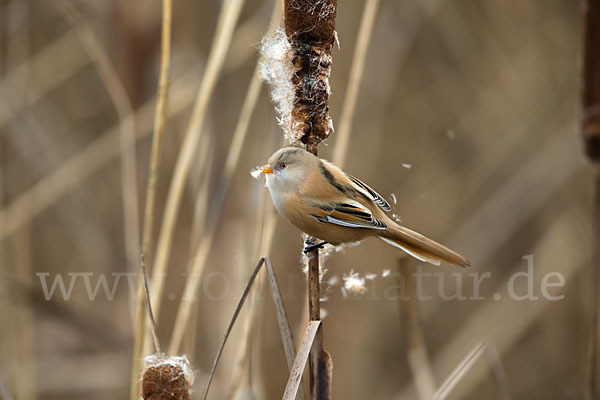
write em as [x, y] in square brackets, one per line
[309, 245]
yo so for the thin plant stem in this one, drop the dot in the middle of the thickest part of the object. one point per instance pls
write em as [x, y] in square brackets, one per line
[284, 326]
[459, 372]
[117, 92]
[225, 27]
[159, 125]
[498, 371]
[160, 117]
[89, 159]
[488, 322]
[94, 155]
[353, 86]
[295, 378]
[236, 313]
[310, 31]
[58, 56]
[231, 163]
[149, 305]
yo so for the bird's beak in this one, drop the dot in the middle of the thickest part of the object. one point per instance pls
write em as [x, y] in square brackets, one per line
[266, 169]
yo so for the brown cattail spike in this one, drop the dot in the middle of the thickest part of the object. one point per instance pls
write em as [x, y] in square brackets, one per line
[319, 15]
[166, 378]
[310, 30]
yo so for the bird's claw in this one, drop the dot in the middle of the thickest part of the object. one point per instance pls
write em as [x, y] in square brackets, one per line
[309, 246]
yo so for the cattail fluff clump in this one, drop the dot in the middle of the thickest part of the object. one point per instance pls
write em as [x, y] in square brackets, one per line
[298, 74]
[276, 69]
[353, 284]
[166, 378]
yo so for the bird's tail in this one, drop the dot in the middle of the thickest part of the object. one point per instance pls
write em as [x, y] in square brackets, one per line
[421, 247]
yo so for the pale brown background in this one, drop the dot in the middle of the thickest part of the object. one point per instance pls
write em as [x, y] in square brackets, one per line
[480, 97]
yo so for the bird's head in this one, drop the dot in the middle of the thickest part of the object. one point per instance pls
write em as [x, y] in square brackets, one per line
[288, 168]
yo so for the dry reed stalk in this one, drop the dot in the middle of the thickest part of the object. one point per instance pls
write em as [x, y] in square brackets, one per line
[163, 377]
[284, 326]
[241, 376]
[590, 127]
[237, 142]
[231, 163]
[189, 294]
[252, 27]
[356, 74]
[199, 176]
[489, 321]
[252, 94]
[149, 305]
[118, 95]
[306, 346]
[418, 358]
[264, 247]
[202, 191]
[459, 372]
[310, 31]
[92, 157]
[89, 238]
[232, 322]
[56, 60]
[225, 27]
[467, 363]
[202, 194]
[266, 222]
[116, 91]
[499, 372]
[160, 117]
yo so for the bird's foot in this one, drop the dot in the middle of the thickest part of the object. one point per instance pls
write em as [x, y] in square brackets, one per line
[309, 245]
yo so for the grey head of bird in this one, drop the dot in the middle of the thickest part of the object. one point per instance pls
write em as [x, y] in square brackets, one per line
[287, 169]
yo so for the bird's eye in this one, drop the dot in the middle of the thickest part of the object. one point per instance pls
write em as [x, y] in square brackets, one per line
[283, 165]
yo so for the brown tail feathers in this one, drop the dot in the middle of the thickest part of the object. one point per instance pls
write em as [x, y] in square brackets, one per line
[421, 247]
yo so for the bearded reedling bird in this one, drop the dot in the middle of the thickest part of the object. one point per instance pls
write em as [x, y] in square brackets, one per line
[330, 205]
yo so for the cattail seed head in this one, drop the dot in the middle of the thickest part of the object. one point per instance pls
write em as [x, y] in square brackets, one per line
[166, 378]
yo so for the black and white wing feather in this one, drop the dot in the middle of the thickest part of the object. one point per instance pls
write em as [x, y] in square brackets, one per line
[351, 214]
[370, 193]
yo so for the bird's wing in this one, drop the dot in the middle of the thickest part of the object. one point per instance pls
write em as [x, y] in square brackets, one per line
[349, 213]
[347, 184]
[369, 193]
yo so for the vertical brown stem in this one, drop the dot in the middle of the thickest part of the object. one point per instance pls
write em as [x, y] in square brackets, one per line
[320, 362]
[310, 29]
[590, 126]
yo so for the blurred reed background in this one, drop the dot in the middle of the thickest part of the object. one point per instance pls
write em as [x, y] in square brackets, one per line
[466, 111]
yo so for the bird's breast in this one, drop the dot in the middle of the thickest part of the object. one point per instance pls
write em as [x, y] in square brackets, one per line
[280, 201]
